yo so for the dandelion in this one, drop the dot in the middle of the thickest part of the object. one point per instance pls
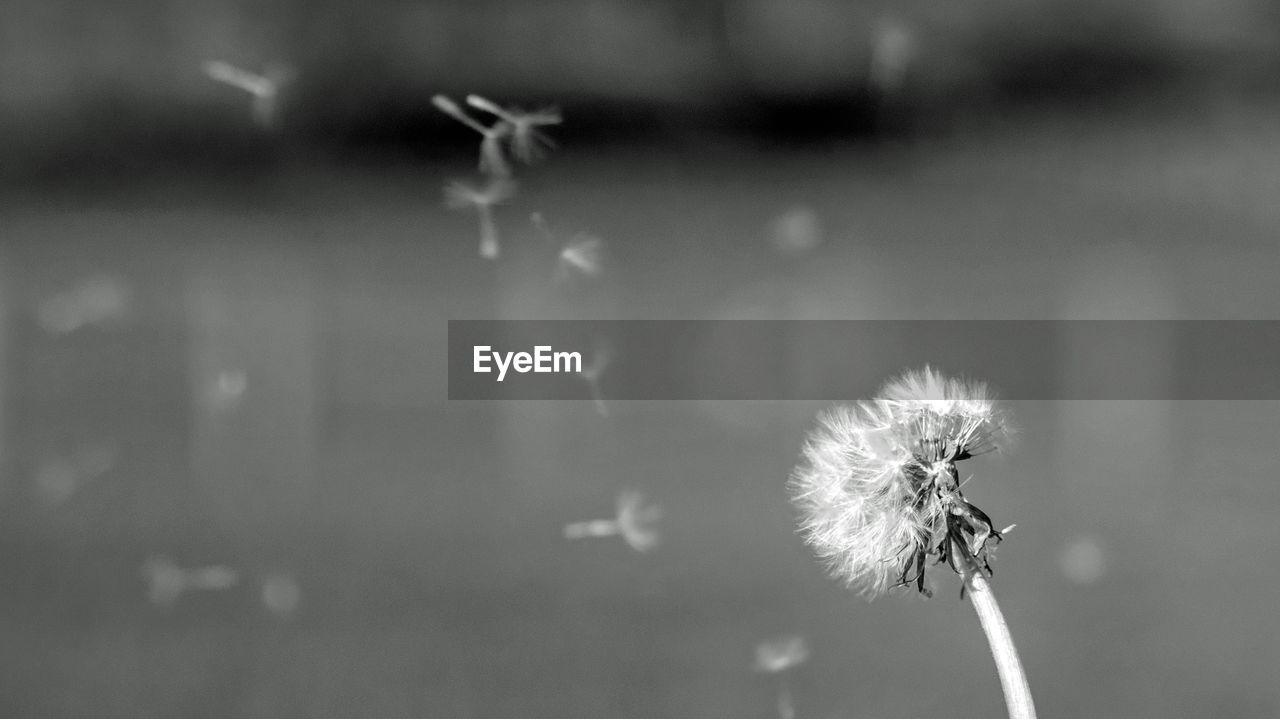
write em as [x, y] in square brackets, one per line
[636, 522]
[459, 195]
[264, 89]
[880, 495]
[528, 143]
[167, 581]
[492, 160]
[777, 657]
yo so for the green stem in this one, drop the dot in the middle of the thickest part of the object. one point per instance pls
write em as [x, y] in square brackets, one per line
[1017, 693]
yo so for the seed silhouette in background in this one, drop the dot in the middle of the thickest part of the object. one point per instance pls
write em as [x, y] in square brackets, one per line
[796, 231]
[226, 389]
[58, 478]
[1083, 560]
[100, 301]
[462, 196]
[492, 159]
[893, 50]
[264, 89]
[879, 497]
[167, 582]
[528, 143]
[778, 657]
[636, 522]
[594, 370]
[281, 594]
[581, 256]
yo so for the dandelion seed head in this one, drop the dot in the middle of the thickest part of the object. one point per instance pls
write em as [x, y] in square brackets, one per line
[877, 487]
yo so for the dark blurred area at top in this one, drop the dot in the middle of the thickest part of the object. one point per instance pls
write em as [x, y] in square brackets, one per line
[116, 88]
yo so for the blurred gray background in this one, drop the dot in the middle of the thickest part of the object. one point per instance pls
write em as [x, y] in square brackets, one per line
[232, 485]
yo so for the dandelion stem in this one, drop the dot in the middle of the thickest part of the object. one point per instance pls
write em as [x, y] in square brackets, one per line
[1017, 693]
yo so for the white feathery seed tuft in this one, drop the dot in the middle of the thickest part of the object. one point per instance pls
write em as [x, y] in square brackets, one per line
[877, 487]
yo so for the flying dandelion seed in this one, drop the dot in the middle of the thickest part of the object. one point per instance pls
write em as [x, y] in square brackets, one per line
[264, 89]
[777, 657]
[528, 143]
[167, 582]
[582, 255]
[781, 653]
[492, 159]
[594, 371]
[879, 495]
[636, 522]
[459, 196]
